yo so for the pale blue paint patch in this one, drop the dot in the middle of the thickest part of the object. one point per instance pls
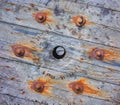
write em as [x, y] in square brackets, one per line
[45, 2]
[105, 11]
[58, 11]
[114, 63]
[25, 31]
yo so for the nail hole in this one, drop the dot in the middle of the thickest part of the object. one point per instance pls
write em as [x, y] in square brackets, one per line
[59, 52]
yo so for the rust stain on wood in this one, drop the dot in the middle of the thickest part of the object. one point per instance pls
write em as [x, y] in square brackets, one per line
[8, 9]
[12, 78]
[43, 17]
[105, 54]
[25, 51]
[48, 74]
[80, 21]
[97, 53]
[81, 101]
[32, 5]
[19, 19]
[82, 87]
[41, 85]
[112, 54]
[5, 66]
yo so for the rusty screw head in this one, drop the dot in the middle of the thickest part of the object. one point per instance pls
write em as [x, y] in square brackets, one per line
[98, 53]
[80, 21]
[38, 87]
[19, 51]
[77, 87]
[40, 17]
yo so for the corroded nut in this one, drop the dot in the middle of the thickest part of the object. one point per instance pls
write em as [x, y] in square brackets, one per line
[78, 88]
[80, 21]
[98, 53]
[38, 87]
[19, 51]
[40, 17]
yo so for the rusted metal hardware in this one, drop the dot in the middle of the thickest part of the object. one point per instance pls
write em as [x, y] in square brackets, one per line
[98, 53]
[82, 87]
[79, 21]
[38, 86]
[19, 51]
[59, 52]
[25, 51]
[43, 17]
[40, 17]
[77, 87]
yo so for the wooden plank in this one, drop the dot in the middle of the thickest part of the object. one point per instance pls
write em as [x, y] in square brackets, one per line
[109, 4]
[94, 14]
[94, 33]
[16, 85]
[11, 100]
[73, 46]
[69, 65]
[99, 79]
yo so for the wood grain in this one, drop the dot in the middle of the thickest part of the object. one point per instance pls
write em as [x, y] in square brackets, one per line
[109, 4]
[11, 100]
[99, 79]
[21, 73]
[104, 71]
[93, 33]
[97, 15]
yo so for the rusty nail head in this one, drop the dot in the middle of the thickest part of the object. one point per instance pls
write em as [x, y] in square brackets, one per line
[98, 53]
[19, 51]
[40, 17]
[38, 87]
[77, 87]
[80, 21]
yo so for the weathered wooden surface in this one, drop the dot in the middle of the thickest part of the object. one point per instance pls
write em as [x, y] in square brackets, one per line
[23, 72]
[92, 32]
[48, 42]
[112, 4]
[18, 26]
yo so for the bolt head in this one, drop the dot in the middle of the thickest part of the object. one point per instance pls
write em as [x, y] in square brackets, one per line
[38, 87]
[77, 87]
[98, 53]
[80, 21]
[40, 17]
[19, 51]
